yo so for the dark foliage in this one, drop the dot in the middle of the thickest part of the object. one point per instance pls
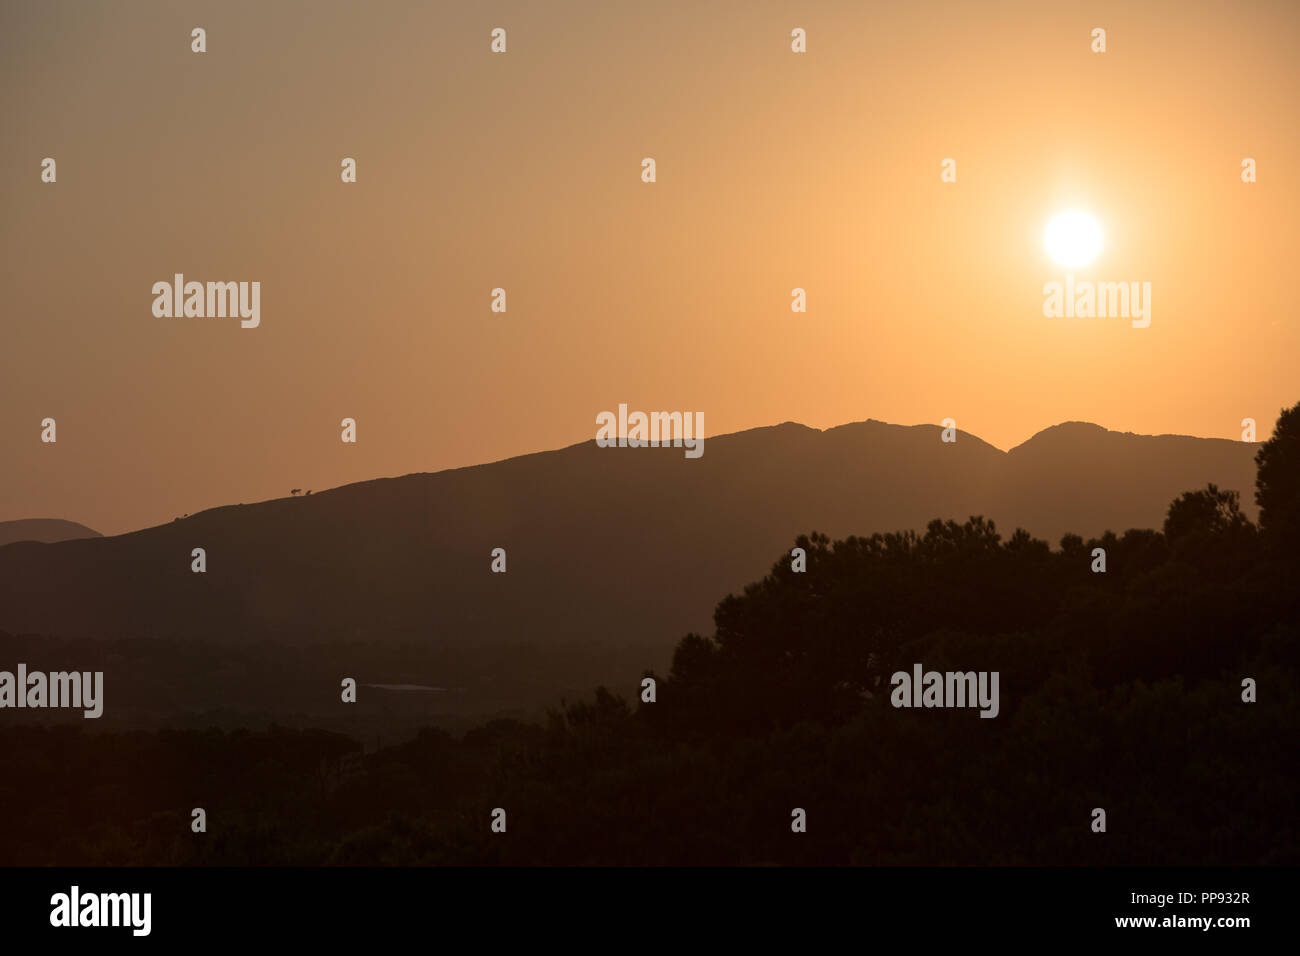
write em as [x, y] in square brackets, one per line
[1120, 690]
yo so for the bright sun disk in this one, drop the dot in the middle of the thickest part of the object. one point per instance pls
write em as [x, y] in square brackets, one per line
[1073, 239]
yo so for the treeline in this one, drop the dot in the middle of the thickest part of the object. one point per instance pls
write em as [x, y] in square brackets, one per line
[160, 682]
[1120, 689]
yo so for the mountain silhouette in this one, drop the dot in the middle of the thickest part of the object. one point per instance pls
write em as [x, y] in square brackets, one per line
[604, 545]
[46, 530]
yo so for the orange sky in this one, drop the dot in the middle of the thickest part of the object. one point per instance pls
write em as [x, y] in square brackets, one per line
[522, 170]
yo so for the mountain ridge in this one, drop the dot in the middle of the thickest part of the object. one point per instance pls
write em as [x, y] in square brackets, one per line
[603, 544]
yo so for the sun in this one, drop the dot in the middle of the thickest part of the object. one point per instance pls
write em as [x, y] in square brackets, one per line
[1073, 239]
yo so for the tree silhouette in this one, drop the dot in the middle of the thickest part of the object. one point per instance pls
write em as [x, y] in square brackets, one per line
[1277, 482]
[1208, 512]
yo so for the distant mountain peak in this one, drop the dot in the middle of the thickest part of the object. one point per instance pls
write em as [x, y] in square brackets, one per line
[45, 530]
[1086, 434]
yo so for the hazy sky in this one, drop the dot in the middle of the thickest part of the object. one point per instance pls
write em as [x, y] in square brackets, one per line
[775, 170]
